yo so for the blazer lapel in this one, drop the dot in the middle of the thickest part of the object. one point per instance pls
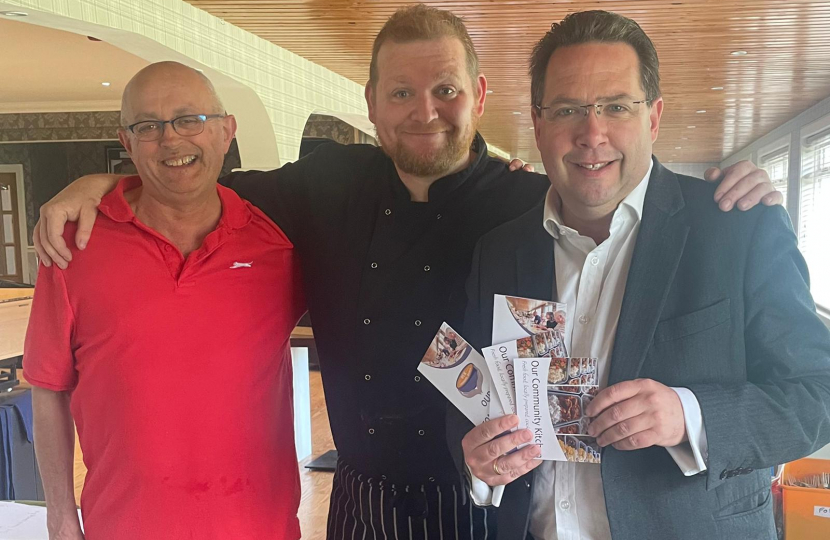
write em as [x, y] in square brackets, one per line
[534, 261]
[657, 253]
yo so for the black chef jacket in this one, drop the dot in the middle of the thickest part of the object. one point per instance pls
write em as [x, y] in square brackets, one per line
[381, 273]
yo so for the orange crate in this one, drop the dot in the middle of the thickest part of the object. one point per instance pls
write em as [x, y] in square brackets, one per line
[806, 510]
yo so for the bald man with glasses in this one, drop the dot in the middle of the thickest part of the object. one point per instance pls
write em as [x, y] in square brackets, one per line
[131, 343]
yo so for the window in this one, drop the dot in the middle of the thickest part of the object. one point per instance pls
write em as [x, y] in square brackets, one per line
[777, 165]
[814, 213]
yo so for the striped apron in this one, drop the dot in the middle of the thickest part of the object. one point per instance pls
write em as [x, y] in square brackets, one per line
[367, 508]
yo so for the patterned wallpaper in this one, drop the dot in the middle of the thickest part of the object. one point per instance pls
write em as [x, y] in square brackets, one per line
[329, 127]
[60, 126]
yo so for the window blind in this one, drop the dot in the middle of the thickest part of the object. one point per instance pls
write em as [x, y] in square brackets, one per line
[814, 213]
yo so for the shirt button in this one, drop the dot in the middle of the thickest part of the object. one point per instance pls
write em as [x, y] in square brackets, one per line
[564, 505]
[366, 321]
[371, 431]
[432, 479]
[426, 268]
[388, 212]
[417, 378]
[421, 432]
[595, 261]
[417, 323]
[374, 265]
[584, 319]
[367, 377]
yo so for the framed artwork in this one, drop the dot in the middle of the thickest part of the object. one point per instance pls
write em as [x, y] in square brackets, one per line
[119, 162]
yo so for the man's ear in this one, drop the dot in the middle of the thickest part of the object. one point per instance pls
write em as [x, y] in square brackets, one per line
[229, 130]
[481, 88]
[124, 139]
[369, 94]
[655, 113]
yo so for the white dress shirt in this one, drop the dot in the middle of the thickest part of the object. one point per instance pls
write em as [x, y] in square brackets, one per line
[568, 501]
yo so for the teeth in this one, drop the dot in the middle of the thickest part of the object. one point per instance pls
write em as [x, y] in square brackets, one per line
[593, 166]
[179, 162]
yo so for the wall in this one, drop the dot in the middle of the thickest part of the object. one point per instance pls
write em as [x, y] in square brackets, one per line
[289, 87]
[789, 130]
[689, 169]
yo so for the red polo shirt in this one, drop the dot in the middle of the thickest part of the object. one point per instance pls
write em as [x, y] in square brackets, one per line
[180, 374]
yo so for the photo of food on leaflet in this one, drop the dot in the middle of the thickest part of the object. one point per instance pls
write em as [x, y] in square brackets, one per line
[527, 372]
[459, 372]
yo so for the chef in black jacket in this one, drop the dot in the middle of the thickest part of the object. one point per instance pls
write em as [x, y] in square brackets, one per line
[386, 237]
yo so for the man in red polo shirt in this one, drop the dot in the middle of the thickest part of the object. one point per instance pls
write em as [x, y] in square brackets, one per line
[168, 343]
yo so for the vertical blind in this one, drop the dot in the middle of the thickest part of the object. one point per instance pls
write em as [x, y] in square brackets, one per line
[777, 165]
[814, 213]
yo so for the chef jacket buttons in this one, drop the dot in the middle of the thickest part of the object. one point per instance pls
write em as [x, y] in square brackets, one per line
[374, 265]
[367, 377]
[417, 378]
[371, 431]
[432, 479]
[388, 211]
[438, 216]
[426, 268]
[366, 321]
[417, 323]
[421, 432]
[383, 477]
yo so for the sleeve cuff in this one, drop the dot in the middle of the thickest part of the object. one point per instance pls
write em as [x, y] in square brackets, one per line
[482, 494]
[691, 456]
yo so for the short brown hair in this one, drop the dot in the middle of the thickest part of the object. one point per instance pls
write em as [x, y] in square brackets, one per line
[420, 22]
[595, 26]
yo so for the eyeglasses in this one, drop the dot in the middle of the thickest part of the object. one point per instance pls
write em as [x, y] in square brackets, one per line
[186, 126]
[611, 110]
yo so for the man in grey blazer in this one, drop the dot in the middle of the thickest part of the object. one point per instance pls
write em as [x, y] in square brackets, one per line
[704, 388]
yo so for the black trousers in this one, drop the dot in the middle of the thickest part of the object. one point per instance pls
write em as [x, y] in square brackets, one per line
[367, 508]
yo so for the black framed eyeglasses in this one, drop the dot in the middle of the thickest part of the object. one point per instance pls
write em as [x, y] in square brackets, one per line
[568, 113]
[186, 126]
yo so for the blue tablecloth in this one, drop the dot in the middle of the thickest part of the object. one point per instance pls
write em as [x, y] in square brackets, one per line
[16, 445]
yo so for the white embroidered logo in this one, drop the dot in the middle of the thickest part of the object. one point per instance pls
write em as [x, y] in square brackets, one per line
[242, 265]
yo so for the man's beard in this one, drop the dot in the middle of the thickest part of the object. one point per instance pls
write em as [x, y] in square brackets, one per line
[436, 163]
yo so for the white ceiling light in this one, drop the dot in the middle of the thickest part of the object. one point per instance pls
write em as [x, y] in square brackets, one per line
[717, 88]
[700, 111]
[678, 148]
[690, 127]
[489, 92]
[105, 84]
[738, 53]
[517, 113]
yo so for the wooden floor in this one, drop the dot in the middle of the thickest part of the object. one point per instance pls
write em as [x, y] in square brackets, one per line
[316, 486]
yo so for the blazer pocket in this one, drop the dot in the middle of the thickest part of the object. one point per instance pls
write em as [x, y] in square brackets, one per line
[693, 323]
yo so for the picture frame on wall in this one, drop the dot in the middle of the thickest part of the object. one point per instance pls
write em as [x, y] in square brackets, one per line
[119, 161]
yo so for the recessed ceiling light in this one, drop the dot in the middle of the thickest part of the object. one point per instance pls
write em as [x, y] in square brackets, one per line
[690, 127]
[678, 148]
[489, 92]
[717, 88]
[105, 84]
[531, 127]
[738, 53]
[517, 113]
[701, 111]
[14, 13]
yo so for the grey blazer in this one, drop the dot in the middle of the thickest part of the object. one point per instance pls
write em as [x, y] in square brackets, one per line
[715, 302]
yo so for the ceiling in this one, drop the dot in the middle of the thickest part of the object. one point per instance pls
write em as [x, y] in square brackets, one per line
[785, 71]
[53, 70]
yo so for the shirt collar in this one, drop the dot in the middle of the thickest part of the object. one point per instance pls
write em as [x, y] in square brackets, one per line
[445, 185]
[634, 201]
[114, 205]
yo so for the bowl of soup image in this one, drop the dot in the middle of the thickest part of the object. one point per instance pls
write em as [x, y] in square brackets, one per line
[469, 381]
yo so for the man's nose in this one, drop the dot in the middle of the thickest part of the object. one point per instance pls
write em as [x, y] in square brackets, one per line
[425, 110]
[592, 130]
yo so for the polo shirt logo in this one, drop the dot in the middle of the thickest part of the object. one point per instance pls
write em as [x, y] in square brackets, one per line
[241, 265]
